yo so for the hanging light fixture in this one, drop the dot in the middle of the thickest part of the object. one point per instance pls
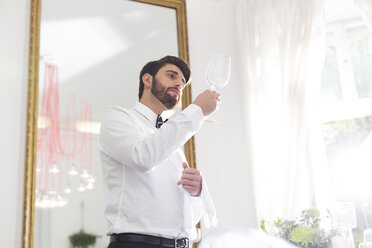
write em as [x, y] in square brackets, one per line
[61, 145]
[73, 171]
[54, 168]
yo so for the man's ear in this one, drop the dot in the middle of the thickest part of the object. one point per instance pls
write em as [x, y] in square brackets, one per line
[147, 80]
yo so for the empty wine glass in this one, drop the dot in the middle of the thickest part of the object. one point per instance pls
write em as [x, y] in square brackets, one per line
[218, 73]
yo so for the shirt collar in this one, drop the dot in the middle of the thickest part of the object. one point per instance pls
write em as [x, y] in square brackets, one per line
[146, 112]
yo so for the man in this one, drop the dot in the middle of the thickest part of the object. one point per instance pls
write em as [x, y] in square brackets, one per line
[153, 199]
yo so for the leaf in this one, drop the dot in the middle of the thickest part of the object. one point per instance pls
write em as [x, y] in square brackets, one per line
[278, 222]
[262, 225]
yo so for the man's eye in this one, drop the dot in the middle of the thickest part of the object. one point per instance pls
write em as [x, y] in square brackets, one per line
[172, 76]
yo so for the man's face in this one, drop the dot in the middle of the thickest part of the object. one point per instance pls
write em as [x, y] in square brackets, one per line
[167, 85]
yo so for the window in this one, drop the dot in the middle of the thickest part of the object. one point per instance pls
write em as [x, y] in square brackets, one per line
[346, 103]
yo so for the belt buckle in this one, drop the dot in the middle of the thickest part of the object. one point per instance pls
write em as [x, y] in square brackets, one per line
[181, 243]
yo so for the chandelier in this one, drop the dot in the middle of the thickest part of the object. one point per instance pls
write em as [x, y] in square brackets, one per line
[64, 144]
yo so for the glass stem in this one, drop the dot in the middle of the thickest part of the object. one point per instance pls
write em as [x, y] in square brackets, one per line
[213, 87]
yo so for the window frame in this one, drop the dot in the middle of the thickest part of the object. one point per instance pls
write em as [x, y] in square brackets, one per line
[351, 106]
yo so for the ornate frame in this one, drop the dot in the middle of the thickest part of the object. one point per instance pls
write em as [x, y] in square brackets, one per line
[32, 106]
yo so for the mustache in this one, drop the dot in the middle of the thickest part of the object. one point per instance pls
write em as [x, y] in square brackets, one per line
[173, 88]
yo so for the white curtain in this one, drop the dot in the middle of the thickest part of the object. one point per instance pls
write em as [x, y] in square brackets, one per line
[282, 45]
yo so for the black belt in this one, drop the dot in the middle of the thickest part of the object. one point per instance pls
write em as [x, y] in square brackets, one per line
[149, 239]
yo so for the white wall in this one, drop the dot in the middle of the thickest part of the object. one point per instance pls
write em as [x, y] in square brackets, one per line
[14, 30]
[221, 149]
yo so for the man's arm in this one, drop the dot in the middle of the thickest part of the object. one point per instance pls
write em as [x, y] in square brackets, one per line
[122, 140]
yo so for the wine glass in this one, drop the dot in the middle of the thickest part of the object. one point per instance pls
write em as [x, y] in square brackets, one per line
[368, 238]
[218, 74]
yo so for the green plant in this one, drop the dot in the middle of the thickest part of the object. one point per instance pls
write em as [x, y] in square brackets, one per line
[82, 239]
[303, 232]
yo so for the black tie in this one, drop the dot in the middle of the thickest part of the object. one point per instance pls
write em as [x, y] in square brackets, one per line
[159, 121]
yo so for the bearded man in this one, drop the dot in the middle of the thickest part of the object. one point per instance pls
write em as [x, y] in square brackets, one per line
[153, 198]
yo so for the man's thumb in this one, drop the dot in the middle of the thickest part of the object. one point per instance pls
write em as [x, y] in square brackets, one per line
[185, 165]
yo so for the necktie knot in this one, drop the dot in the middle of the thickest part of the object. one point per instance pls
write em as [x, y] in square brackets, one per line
[159, 122]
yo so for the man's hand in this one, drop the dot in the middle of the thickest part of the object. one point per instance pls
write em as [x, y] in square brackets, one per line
[191, 180]
[207, 101]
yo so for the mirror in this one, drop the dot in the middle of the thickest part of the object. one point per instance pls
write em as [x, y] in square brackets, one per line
[85, 56]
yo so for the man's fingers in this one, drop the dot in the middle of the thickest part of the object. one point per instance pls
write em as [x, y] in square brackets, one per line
[188, 182]
[191, 177]
[189, 188]
[191, 171]
[207, 101]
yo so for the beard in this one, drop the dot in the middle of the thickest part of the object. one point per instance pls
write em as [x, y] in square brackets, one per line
[161, 93]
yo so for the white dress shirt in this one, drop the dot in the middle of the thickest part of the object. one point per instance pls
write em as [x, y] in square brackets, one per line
[141, 168]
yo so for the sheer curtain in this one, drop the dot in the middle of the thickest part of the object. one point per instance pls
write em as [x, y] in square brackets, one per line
[282, 47]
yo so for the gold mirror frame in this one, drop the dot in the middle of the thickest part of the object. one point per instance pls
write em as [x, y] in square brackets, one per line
[32, 106]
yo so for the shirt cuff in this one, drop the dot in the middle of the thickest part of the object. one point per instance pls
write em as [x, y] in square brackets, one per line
[195, 113]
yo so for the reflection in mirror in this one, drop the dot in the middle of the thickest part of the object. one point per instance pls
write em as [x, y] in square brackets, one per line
[91, 53]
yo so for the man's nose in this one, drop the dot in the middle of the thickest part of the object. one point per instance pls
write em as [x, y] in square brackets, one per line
[179, 83]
